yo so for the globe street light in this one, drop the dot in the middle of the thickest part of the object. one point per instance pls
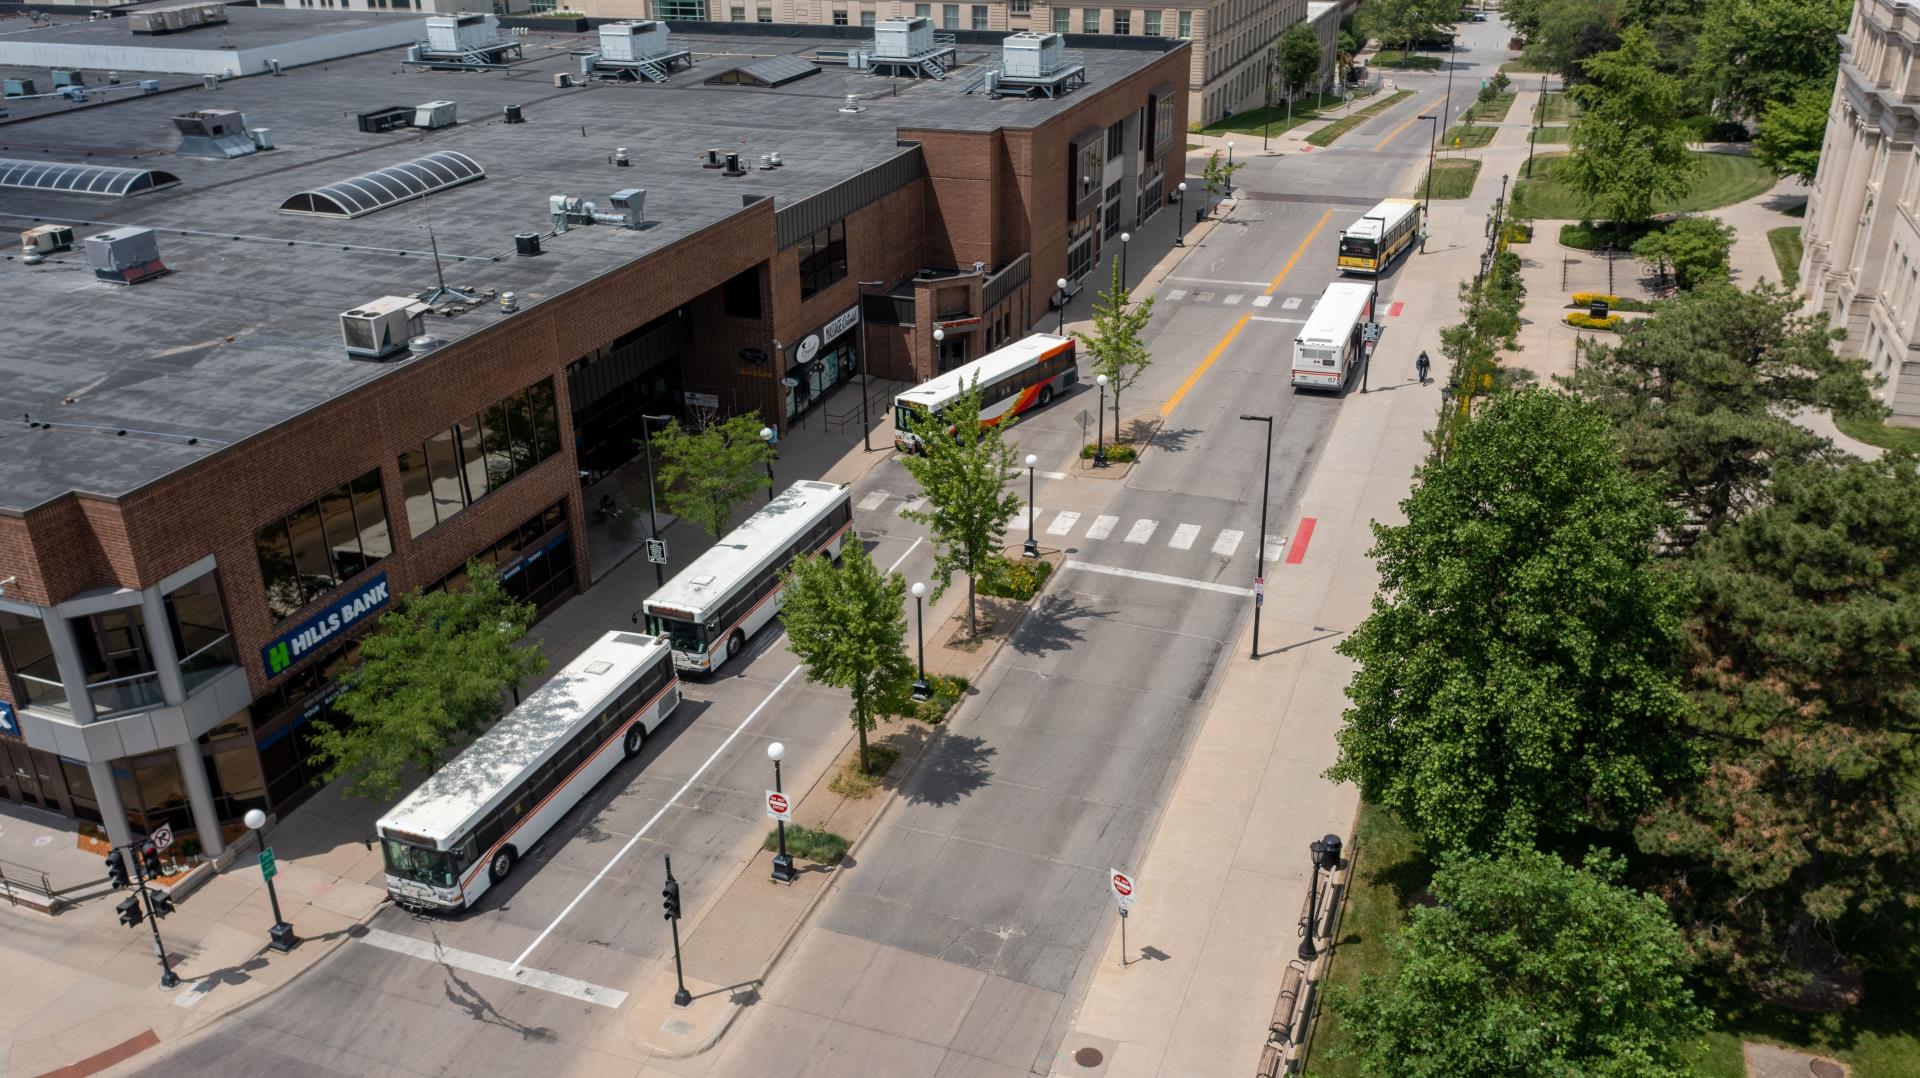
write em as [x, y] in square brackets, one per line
[280, 937]
[766, 435]
[1179, 218]
[1100, 419]
[1062, 284]
[1125, 238]
[921, 690]
[939, 360]
[1032, 548]
[782, 862]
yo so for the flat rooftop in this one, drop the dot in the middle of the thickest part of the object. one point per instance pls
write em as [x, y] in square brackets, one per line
[244, 333]
[245, 28]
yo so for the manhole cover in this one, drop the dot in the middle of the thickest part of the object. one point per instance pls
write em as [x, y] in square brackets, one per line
[1088, 1057]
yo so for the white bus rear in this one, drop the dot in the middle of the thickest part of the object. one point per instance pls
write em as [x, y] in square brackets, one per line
[464, 829]
[1024, 375]
[710, 608]
[1329, 346]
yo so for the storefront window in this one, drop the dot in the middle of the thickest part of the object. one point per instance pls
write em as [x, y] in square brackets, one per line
[29, 655]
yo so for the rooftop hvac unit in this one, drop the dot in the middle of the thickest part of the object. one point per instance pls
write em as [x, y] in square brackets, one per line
[262, 138]
[433, 114]
[381, 328]
[1030, 54]
[901, 36]
[213, 133]
[632, 204]
[377, 120]
[67, 77]
[167, 20]
[46, 239]
[630, 41]
[17, 87]
[462, 33]
[125, 255]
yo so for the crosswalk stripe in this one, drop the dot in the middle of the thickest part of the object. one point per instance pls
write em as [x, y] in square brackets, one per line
[1290, 303]
[1275, 548]
[1102, 527]
[1227, 542]
[1141, 531]
[1262, 301]
[1177, 295]
[1183, 536]
[917, 504]
[874, 501]
[1063, 523]
[1020, 523]
[1233, 299]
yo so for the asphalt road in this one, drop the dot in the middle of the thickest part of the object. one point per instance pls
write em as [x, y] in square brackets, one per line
[962, 939]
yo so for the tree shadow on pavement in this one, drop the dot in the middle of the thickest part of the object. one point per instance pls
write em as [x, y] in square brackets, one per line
[954, 767]
[1174, 441]
[1050, 628]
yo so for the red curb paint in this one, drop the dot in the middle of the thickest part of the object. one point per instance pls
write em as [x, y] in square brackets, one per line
[1393, 310]
[98, 1062]
[1297, 550]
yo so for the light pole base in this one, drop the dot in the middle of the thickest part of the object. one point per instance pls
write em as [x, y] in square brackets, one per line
[1308, 952]
[683, 998]
[169, 980]
[783, 870]
[281, 938]
[922, 690]
[1100, 458]
[1031, 548]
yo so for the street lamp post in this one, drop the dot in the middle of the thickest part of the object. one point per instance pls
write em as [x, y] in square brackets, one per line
[866, 360]
[280, 937]
[939, 349]
[1426, 205]
[783, 861]
[1032, 547]
[766, 435]
[1062, 285]
[1179, 218]
[1100, 422]
[1260, 552]
[1325, 853]
[921, 690]
[1229, 190]
[653, 517]
[1125, 238]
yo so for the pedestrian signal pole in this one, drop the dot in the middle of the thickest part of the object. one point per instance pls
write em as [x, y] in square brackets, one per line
[671, 894]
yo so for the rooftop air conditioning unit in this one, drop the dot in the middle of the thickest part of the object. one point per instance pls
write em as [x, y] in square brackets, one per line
[434, 114]
[18, 87]
[462, 33]
[213, 133]
[1030, 54]
[382, 327]
[631, 203]
[125, 255]
[46, 239]
[626, 42]
[176, 17]
[377, 120]
[68, 77]
[903, 36]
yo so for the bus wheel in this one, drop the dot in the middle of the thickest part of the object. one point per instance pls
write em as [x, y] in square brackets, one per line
[635, 740]
[1046, 396]
[502, 865]
[735, 642]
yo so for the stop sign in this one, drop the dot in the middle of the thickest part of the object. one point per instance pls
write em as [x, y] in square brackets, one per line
[777, 806]
[1122, 885]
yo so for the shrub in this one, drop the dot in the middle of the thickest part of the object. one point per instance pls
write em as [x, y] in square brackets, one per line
[947, 692]
[1117, 452]
[1015, 578]
[1586, 299]
[855, 784]
[1579, 320]
[824, 847]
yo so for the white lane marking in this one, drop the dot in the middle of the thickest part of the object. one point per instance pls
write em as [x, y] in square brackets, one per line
[1053, 475]
[1020, 523]
[671, 801]
[916, 505]
[192, 996]
[1214, 280]
[1227, 542]
[873, 501]
[1233, 299]
[1158, 578]
[1102, 527]
[1176, 295]
[1141, 531]
[441, 954]
[1183, 536]
[1274, 318]
[1290, 303]
[1063, 523]
[1262, 301]
[1275, 548]
[911, 547]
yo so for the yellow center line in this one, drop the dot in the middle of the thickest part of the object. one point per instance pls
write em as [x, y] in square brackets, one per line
[1221, 348]
[1395, 133]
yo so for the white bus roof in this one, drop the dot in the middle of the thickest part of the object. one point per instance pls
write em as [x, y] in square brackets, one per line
[1333, 317]
[695, 589]
[1393, 209]
[1021, 353]
[469, 784]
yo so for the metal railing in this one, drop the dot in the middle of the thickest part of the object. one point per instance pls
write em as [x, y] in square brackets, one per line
[51, 695]
[18, 880]
[135, 692]
[207, 661]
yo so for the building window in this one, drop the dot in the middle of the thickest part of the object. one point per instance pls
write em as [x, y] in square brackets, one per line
[1163, 119]
[1186, 24]
[1090, 21]
[737, 13]
[866, 18]
[29, 656]
[1123, 21]
[839, 16]
[1116, 141]
[979, 16]
[823, 258]
[950, 16]
[1062, 20]
[680, 9]
[534, 562]
[460, 465]
[315, 547]
[763, 14]
[923, 11]
[1152, 27]
[1020, 8]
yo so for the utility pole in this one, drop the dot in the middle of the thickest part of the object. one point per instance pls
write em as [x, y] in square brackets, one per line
[1260, 552]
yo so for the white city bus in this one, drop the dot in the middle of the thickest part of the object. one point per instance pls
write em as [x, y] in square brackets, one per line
[1329, 345]
[1369, 244]
[1025, 374]
[464, 828]
[712, 606]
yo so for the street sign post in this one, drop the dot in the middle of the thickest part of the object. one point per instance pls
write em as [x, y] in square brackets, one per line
[1259, 591]
[268, 869]
[657, 551]
[778, 807]
[162, 837]
[1121, 884]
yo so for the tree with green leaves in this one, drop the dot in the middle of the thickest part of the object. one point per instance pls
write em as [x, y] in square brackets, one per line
[1218, 176]
[1792, 131]
[704, 474]
[963, 467]
[1629, 142]
[1407, 21]
[1517, 675]
[1114, 348]
[1805, 830]
[847, 623]
[1702, 396]
[1527, 967]
[1694, 248]
[1753, 53]
[1297, 58]
[437, 669]
[1560, 33]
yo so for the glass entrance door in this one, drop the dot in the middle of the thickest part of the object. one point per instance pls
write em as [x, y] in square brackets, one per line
[20, 771]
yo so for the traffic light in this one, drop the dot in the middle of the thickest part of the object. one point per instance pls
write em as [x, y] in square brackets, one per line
[672, 904]
[116, 871]
[162, 903]
[150, 862]
[130, 911]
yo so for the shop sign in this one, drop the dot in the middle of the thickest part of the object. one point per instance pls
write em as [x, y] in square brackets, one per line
[325, 625]
[8, 724]
[807, 350]
[841, 323]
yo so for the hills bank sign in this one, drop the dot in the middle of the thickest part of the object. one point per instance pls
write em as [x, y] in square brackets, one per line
[296, 642]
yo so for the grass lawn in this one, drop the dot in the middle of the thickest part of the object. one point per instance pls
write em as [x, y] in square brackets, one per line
[1524, 66]
[1494, 109]
[1399, 60]
[1554, 109]
[1273, 120]
[1874, 432]
[1468, 138]
[1723, 179]
[1451, 179]
[1548, 136]
[1786, 251]
[1326, 135]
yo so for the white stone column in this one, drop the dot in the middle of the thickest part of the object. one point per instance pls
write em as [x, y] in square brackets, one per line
[73, 672]
[193, 768]
[112, 811]
[166, 658]
[1853, 197]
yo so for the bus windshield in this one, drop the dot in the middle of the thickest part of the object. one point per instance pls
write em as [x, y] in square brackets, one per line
[419, 864]
[685, 636]
[1356, 246]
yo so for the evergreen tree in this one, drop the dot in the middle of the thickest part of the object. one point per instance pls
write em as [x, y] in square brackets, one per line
[848, 624]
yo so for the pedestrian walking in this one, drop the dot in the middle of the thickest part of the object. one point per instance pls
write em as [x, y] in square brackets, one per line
[1422, 366]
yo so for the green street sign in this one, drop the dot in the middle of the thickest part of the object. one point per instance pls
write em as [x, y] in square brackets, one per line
[267, 867]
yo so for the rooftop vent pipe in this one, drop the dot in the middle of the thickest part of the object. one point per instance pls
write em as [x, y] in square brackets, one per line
[511, 114]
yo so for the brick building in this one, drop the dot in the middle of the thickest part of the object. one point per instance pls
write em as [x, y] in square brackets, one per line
[227, 469]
